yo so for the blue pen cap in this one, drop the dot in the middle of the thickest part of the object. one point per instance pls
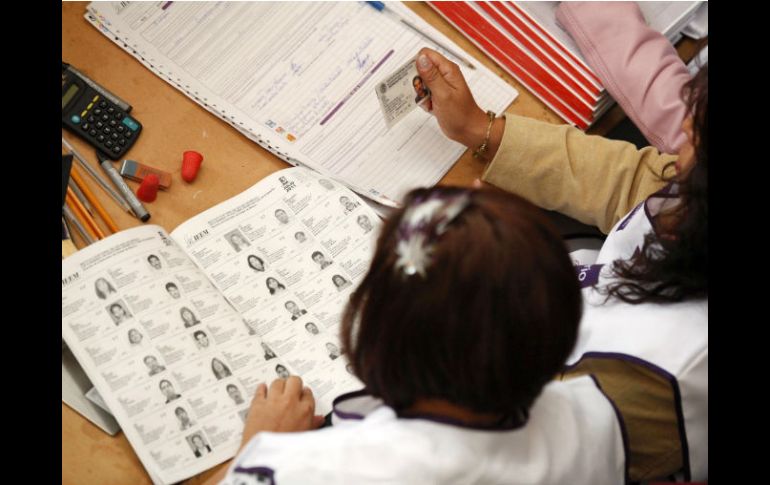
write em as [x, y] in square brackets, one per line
[378, 5]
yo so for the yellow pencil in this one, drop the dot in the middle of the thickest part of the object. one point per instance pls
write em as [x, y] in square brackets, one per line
[83, 215]
[75, 174]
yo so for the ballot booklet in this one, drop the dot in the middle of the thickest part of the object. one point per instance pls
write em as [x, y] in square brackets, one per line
[176, 330]
[300, 79]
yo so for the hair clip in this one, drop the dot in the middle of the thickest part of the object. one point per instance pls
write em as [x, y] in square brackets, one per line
[415, 245]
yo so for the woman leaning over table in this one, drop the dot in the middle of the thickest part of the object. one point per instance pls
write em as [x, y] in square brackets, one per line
[644, 332]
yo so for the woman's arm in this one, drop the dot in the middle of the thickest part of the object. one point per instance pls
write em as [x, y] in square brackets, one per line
[637, 65]
[592, 179]
[589, 178]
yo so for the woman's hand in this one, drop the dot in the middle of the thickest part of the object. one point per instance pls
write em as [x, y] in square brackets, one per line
[458, 115]
[287, 406]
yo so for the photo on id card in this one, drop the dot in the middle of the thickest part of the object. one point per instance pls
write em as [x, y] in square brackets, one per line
[401, 92]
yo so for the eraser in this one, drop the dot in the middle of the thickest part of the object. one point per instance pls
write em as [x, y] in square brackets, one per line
[191, 162]
[138, 171]
[148, 189]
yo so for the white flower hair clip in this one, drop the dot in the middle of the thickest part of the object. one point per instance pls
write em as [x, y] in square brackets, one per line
[415, 242]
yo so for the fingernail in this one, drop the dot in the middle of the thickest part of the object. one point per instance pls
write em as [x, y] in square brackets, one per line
[424, 62]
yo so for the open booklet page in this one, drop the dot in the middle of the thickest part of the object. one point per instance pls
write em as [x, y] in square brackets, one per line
[176, 331]
[300, 79]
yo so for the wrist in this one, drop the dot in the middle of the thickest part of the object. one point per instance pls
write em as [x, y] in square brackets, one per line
[495, 137]
[474, 130]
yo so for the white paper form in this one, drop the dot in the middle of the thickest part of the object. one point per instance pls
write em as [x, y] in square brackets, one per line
[300, 77]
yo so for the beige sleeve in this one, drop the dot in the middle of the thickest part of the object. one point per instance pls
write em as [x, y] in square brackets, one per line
[589, 178]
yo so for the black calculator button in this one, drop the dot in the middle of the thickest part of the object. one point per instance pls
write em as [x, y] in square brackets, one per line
[120, 128]
[100, 138]
[110, 110]
[85, 126]
[128, 134]
[105, 117]
[107, 130]
[108, 143]
[97, 111]
[114, 136]
[99, 125]
[119, 115]
[112, 123]
[122, 141]
[116, 149]
[92, 132]
[90, 119]
[103, 104]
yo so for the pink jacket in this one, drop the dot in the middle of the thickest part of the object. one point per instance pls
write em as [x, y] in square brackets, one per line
[637, 65]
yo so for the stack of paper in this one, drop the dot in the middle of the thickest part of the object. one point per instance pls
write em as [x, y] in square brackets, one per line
[299, 79]
[525, 40]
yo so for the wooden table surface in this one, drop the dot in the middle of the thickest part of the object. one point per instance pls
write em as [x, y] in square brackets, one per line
[173, 123]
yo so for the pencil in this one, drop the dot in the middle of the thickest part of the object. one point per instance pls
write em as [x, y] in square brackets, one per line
[93, 173]
[380, 6]
[75, 174]
[83, 215]
[80, 194]
[69, 216]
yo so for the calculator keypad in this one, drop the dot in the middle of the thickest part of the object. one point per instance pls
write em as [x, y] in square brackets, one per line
[106, 126]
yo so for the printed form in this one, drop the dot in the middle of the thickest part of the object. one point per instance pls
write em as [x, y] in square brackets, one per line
[301, 78]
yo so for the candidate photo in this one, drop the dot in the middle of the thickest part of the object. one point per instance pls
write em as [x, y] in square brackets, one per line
[118, 312]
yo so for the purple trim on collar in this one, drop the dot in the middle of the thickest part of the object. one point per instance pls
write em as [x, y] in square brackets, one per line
[674, 385]
[588, 275]
[627, 219]
[345, 397]
[507, 423]
[664, 193]
[259, 471]
[621, 423]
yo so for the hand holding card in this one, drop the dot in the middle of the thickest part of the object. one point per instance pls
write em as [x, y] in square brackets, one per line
[401, 92]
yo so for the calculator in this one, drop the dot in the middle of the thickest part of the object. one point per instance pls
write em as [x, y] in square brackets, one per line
[96, 115]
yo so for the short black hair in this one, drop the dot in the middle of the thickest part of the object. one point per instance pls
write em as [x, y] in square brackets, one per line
[493, 320]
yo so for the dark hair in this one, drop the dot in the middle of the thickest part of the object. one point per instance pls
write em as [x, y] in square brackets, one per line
[248, 261]
[99, 292]
[117, 305]
[491, 322]
[273, 290]
[225, 370]
[181, 314]
[672, 264]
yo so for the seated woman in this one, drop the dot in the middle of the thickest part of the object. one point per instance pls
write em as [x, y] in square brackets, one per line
[644, 334]
[469, 309]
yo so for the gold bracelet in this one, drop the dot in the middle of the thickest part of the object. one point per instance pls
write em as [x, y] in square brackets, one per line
[482, 149]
